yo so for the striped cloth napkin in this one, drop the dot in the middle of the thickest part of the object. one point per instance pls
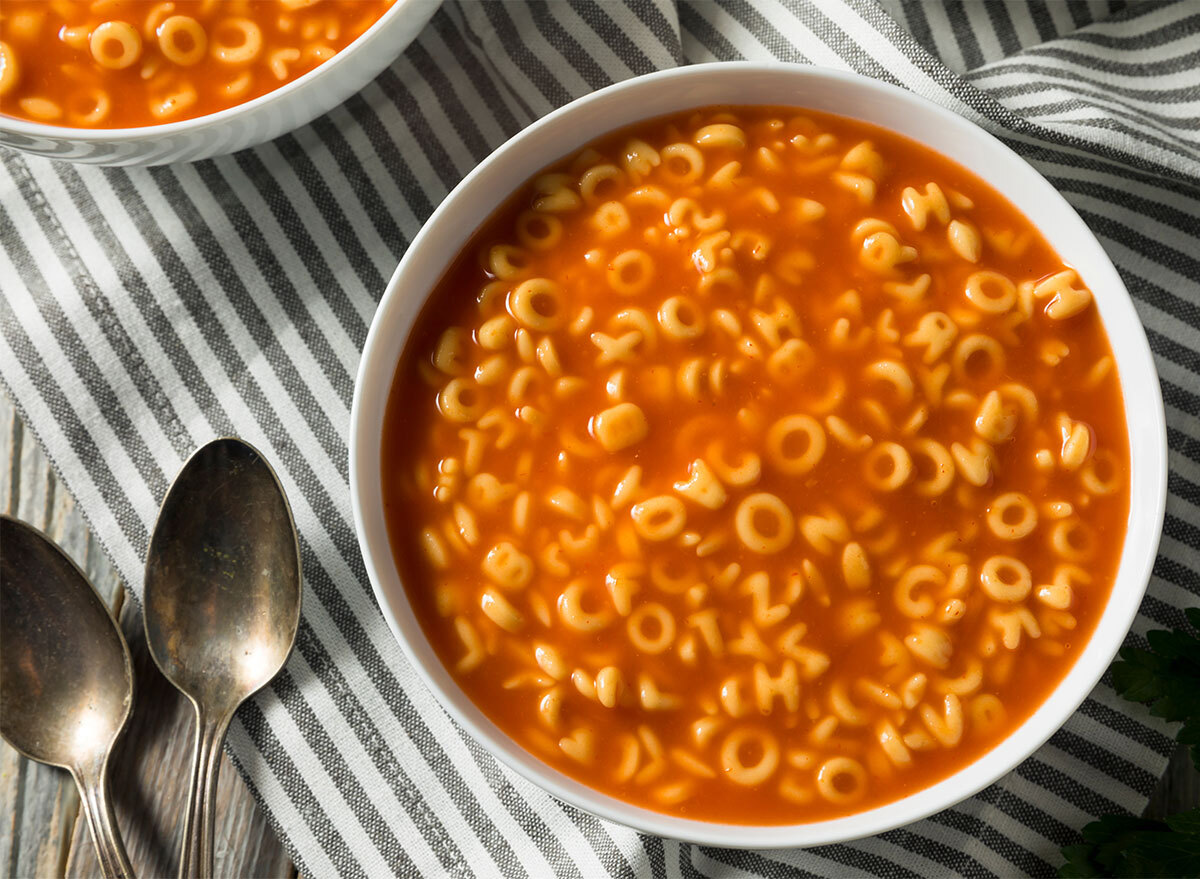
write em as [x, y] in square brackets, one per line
[145, 311]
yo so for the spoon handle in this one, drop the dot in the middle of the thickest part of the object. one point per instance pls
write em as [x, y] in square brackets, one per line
[196, 860]
[92, 782]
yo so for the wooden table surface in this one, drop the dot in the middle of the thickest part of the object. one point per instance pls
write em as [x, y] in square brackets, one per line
[43, 834]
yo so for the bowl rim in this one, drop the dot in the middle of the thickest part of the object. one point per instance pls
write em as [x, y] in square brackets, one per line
[1148, 483]
[28, 128]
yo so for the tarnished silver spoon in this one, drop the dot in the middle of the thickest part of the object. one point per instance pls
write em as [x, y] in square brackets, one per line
[222, 605]
[66, 679]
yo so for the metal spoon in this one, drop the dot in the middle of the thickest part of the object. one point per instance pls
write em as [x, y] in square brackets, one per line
[222, 605]
[66, 679]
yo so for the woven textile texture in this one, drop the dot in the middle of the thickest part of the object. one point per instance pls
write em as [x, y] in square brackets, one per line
[145, 311]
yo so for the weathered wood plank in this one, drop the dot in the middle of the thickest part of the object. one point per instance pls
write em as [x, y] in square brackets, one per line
[1179, 788]
[149, 774]
[38, 803]
[41, 831]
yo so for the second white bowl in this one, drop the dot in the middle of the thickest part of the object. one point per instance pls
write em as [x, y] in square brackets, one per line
[256, 121]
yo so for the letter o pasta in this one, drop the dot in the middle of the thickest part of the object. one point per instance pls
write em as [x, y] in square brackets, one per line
[236, 41]
[594, 179]
[682, 163]
[460, 400]
[991, 292]
[182, 40]
[1005, 578]
[887, 466]
[841, 780]
[99, 104]
[630, 272]
[1012, 516]
[764, 523]
[659, 518]
[507, 262]
[979, 357]
[539, 231]
[664, 622]
[1073, 540]
[570, 609]
[680, 318]
[116, 45]
[757, 771]
[537, 304]
[782, 440]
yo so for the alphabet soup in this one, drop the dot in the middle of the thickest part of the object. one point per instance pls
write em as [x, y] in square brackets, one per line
[757, 465]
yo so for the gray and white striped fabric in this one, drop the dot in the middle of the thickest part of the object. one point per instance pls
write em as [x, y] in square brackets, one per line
[146, 311]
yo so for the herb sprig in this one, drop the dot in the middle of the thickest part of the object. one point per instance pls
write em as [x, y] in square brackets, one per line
[1167, 678]
[1124, 845]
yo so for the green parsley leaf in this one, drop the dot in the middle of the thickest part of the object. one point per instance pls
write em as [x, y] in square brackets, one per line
[1124, 846]
[1167, 677]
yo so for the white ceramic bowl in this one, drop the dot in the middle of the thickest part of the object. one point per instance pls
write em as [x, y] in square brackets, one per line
[288, 107]
[572, 126]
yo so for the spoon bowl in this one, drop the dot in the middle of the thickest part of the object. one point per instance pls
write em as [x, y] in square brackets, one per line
[222, 603]
[66, 678]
